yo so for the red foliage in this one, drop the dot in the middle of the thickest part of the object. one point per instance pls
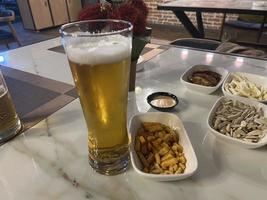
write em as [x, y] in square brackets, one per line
[141, 6]
[136, 16]
[97, 11]
[134, 11]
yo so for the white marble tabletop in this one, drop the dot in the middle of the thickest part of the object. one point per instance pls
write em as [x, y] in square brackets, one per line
[49, 161]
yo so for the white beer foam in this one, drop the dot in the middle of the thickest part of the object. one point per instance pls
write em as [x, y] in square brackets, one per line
[101, 50]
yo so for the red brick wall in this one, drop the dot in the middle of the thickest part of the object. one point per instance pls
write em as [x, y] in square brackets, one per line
[210, 20]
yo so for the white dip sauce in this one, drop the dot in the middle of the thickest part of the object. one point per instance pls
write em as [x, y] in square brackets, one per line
[163, 102]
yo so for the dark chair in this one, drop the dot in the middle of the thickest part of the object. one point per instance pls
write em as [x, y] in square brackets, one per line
[6, 37]
[239, 24]
[196, 43]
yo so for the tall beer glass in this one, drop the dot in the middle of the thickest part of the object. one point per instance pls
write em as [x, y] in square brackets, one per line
[99, 54]
[10, 124]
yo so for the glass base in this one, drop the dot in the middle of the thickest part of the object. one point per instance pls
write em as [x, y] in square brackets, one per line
[11, 132]
[112, 168]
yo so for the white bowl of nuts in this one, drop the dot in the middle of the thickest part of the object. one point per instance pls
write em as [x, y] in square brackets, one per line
[203, 78]
[160, 148]
[246, 85]
[242, 122]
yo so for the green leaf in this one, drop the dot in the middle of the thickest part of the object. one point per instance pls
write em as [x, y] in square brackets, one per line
[138, 45]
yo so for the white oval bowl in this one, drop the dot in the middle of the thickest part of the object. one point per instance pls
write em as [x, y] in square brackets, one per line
[175, 123]
[229, 139]
[257, 79]
[200, 88]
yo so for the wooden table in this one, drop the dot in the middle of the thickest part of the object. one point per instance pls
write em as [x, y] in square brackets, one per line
[179, 8]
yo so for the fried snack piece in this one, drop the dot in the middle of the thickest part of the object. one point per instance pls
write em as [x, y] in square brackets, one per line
[158, 149]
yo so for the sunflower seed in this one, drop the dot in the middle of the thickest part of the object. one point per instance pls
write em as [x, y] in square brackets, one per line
[241, 121]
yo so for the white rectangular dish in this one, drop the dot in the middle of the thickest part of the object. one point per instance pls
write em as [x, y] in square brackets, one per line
[232, 140]
[176, 124]
[254, 78]
[200, 88]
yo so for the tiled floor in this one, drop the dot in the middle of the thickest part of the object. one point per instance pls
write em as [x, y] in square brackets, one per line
[170, 33]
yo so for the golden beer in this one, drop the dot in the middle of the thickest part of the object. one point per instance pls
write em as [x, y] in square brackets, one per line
[103, 92]
[9, 121]
[100, 66]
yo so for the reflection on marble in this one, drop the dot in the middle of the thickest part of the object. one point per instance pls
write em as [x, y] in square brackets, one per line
[37, 59]
[49, 161]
